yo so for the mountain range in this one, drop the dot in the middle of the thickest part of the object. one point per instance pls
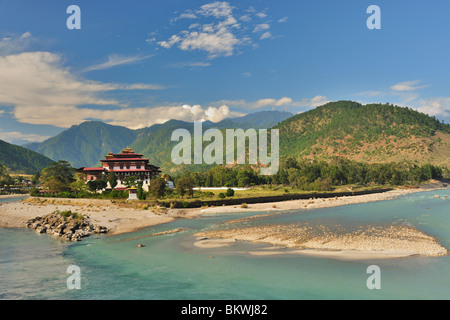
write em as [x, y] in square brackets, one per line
[367, 133]
[85, 144]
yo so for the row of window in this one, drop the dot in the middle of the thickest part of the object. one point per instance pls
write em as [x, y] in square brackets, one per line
[127, 166]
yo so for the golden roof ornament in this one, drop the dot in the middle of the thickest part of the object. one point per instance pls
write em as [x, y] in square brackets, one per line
[127, 150]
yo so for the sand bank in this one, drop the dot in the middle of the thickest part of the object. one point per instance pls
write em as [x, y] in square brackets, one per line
[99, 212]
[366, 242]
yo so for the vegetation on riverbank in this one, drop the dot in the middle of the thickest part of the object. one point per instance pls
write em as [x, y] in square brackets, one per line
[222, 185]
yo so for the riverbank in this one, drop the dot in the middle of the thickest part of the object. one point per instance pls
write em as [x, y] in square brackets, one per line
[99, 212]
[119, 219]
[11, 196]
[361, 243]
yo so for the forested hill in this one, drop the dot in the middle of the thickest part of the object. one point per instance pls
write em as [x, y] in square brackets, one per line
[369, 133]
[85, 144]
[21, 160]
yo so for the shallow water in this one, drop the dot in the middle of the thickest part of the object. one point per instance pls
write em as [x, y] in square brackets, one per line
[170, 267]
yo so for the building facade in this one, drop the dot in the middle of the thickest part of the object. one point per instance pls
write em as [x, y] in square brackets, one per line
[125, 164]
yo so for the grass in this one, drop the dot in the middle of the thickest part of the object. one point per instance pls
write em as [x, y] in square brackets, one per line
[69, 214]
[255, 192]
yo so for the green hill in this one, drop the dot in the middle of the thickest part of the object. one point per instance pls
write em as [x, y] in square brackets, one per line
[84, 145]
[21, 160]
[368, 133]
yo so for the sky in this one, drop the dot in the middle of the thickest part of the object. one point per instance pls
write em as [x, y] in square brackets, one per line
[141, 62]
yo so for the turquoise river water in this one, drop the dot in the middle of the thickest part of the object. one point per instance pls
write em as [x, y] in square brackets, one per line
[169, 267]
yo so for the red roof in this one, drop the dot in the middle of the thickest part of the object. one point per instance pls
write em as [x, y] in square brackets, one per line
[128, 154]
[124, 159]
[93, 169]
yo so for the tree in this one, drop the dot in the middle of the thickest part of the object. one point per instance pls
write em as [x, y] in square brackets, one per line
[130, 182]
[158, 187]
[58, 176]
[95, 185]
[140, 191]
[35, 178]
[185, 184]
[79, 184]
[5, 178]
[112, 179]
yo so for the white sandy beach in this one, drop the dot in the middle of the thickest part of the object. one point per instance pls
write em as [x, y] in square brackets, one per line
[99, 212]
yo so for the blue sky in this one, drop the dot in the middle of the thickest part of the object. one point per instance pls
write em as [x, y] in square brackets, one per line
[138, 63]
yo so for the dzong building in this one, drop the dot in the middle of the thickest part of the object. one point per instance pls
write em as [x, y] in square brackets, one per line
[125, 164]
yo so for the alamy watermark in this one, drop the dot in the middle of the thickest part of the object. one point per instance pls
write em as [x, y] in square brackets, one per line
[236, 139]
[74, 280]
[374, 281]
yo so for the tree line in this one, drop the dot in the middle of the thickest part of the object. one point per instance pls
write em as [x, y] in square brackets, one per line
[316, 175]
[300, 174]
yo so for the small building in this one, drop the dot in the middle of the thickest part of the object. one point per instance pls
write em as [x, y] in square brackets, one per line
[125, 164]
[132, 194]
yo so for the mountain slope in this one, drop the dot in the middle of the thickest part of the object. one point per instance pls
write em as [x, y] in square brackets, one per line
[257, 120]
[86, 144]
[368, 133]
[21, 160]
[154, 142]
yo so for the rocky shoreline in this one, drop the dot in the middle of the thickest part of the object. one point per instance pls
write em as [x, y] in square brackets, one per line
[65, 226]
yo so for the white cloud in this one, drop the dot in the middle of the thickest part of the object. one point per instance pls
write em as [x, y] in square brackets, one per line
[221, 35]
[261, 15]
[407, 86]
[435, 106]
[39, 79]
[190, 64]
[188, 15]
[14, 136]
[11, 45]
[285, 103]
[265, 35]
[116, 60]
[282, 20]
[245, 18]
[217, 42]
[215, 38]
[261, 27]
[41, 90]
[272, 102]
[133, 118]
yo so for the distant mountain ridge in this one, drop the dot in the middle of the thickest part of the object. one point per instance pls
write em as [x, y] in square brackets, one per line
[366, 133]
[85, 144]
